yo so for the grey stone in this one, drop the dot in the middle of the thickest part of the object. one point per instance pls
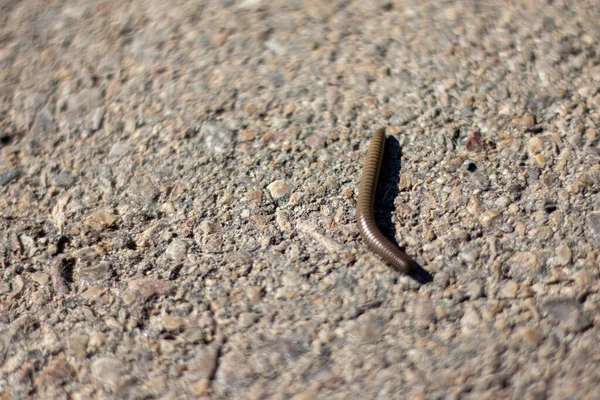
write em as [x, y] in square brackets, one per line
[217, 137]
[118, 150]
[177, 249]
[593, 223]
[567, 312]
[143, 189]
[97, 118]
[64, 179]
[94, 271]
[204, 362]
[109, 371]
[9, 176]
[44, 124]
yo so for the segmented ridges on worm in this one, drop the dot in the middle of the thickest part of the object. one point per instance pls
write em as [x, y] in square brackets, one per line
[365, 213]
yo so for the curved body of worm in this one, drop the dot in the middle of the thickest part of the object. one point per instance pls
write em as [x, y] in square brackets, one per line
[365, 214]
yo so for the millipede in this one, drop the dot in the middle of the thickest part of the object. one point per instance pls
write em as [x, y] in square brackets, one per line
[365, 212]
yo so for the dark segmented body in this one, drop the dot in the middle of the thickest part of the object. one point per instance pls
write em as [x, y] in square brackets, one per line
[365, 214]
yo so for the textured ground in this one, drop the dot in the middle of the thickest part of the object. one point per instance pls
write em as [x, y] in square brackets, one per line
[178, 183]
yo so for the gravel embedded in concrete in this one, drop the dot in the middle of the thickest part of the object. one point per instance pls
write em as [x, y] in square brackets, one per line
[178, 183]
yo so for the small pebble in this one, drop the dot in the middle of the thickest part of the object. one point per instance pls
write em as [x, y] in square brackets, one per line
[278, 189]
[209, 227]
[172, 323]
[118, 150]
[563, 254]
[540, 160]
[143, 189]
[470, 320]
[567, 312]
[587, 91]
[94, 272]
[535, 145]
[199, 387]
[475, 290]
[583, 278]
[177, 249]
[370, 329]
[109, 371]
[247, 319]
[531, 336]
[593, 223]
[279, 122]
[97, 340]
[97, 119]
[44, 124]
[254, 293]
[100, 220]
[509, 291]
[129, 126]
[40, 278]
[7, 177]
[150, 287]
[527, 260]
[526, 121]
[488, 217]
[590, 135]
[63, 179]
[78, 343]
[247, 135]
[292, 279]
[217, 137]
[276, 47]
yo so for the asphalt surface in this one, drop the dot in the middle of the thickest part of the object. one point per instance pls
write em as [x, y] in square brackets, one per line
[178, 184]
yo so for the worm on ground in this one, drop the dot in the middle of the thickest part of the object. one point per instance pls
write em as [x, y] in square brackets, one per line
[365, 214]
